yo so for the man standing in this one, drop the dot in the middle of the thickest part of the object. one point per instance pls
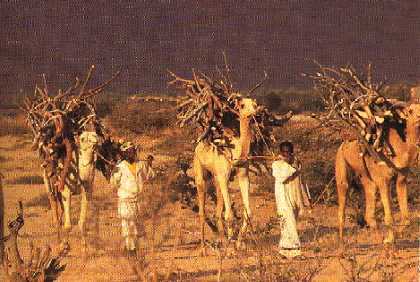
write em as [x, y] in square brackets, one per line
[289, 200]
[129, 177]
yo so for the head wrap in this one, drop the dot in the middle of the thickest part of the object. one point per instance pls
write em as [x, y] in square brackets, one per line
[126, 146]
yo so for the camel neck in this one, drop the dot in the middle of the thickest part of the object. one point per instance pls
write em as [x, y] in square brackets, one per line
[245, 136]
[86, 156]
[412, 136]
[405, 150]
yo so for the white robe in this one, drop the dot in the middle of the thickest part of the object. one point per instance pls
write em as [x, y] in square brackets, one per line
[129, 185]
[289, 203]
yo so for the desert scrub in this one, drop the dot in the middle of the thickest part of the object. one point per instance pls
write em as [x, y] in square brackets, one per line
[296, 100]
[142, 117]
[38, 201]
[12, 123]
[27, 180]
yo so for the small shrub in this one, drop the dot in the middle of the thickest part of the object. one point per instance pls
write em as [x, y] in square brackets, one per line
[12, 124]
[146, 118]
[291, 99]
[264, 184]
[400, 91]
[39, 201]
[27, 179]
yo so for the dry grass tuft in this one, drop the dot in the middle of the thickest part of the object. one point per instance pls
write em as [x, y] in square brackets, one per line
[12, 123]
[38, 201]
[27, 180]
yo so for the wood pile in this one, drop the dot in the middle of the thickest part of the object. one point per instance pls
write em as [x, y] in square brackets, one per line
[360, 104]
[56, 121]
[210, 105]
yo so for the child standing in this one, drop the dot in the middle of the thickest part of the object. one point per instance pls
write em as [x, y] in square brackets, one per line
[289, 199]
[129, 177]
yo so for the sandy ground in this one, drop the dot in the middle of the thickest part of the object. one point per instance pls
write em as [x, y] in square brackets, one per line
[180, 261]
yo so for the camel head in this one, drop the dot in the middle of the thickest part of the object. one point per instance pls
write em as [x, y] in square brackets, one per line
[415, 94]
[246, 107]
[88, 140]
[412, 113]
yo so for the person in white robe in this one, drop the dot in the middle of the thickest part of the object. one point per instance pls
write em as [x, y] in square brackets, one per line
[289, 199]
[129, 177]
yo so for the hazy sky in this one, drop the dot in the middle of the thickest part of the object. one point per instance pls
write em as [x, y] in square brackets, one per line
[144, 38]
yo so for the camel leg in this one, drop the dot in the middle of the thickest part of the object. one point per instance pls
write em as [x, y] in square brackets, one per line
[51, 198]
[201, 193]
[386, 202]
[341, 177]
[369, 188]
[57, 214]
[402, 199]
[54, 206]
[243, 179]
[66, 199]
[219, 212]
[222, 181]
[86, 196]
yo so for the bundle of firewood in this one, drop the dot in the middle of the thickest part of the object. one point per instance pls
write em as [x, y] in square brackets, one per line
[211, 106]
[360, 104]
[57, 120]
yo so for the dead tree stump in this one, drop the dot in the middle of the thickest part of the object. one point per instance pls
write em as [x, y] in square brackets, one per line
[40, 266]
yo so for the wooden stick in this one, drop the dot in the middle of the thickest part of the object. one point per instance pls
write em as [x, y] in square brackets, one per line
[89, 74]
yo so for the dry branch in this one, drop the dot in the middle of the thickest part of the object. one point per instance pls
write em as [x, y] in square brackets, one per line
[359, 103]
[210, 106]
[41, 264]
[57, 121]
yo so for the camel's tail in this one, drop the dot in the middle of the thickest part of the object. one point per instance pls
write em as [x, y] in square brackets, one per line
[342, 179]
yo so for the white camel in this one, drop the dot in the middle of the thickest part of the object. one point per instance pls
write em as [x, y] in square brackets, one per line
[79, 180]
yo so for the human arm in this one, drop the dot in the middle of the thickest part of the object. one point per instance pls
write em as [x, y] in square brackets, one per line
[145, 170]
[297, 166]
[291, 177]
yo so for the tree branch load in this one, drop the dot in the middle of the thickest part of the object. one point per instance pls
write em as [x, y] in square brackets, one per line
[358, 102]
[210, 106]
[56, 122]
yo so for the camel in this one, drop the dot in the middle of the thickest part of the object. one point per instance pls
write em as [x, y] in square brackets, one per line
[208, 159]
[79, 180]
[378, 175]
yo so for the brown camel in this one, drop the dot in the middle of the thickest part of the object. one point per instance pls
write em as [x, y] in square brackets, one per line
[377, 175]
[208, 159]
